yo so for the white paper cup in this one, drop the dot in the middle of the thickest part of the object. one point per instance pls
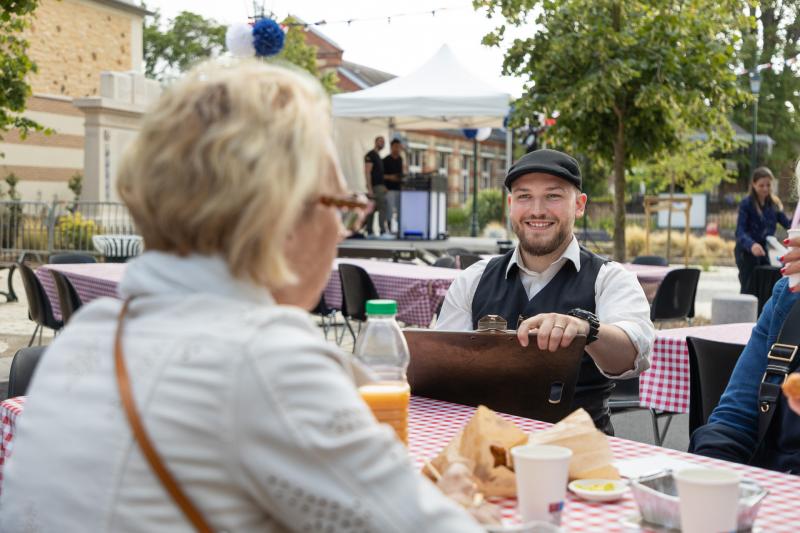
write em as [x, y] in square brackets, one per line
[794, 279]
[541, 472]
[708, 499]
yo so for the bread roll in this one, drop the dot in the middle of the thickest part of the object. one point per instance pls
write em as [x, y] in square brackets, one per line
[791, 387]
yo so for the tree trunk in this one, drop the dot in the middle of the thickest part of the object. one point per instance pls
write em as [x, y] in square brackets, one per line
[619, 191]
[619, 157]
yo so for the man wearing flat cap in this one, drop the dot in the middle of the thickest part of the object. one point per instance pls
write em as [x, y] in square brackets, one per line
[551, 285]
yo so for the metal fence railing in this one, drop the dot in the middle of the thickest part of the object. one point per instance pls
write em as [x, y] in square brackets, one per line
[41, 228]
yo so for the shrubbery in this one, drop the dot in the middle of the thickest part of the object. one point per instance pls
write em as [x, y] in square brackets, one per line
[490, 209]
[75, 233]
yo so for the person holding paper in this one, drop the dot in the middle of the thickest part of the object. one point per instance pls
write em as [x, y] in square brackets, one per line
[552, 286]
[759, 214]
[732, 431]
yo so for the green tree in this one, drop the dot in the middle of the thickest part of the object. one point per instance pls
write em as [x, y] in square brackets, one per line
[15, 65]
[295, 50]
[188, 39]
[773, 39]
[694, 165]
[626, 76]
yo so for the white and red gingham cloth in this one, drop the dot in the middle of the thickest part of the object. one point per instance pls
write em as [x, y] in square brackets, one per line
[91, 280]
[665, 386]
[432, 424]
[9, 410]
[417, 289]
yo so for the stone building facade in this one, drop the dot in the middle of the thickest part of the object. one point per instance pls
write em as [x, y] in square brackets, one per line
[72, 42]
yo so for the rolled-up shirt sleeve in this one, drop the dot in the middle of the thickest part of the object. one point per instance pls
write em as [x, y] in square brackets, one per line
[621, 302]
[456, 313]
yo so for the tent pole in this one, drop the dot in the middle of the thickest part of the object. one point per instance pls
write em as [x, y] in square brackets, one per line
[509, 155]
[474, 231]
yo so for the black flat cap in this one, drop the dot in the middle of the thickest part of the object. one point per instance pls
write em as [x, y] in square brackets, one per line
[546, 161]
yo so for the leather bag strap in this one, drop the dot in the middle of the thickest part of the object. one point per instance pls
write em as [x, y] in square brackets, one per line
[140, 434]
[782, 359]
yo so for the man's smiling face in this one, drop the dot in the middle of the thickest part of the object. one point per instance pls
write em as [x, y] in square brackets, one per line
[543, 210]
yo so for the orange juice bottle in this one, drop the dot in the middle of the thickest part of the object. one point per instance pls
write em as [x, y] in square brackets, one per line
[382, 347]
[389, 403]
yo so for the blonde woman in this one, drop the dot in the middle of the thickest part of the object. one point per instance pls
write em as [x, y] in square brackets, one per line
[732, 431]
[235, 188]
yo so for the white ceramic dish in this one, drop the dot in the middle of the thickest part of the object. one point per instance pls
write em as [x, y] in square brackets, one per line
[530, 527]
[598, 491]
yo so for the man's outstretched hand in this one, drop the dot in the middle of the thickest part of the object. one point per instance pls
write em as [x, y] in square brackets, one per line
[552, 330]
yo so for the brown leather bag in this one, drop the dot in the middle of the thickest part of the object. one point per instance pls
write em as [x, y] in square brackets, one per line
[491, 368]
[140, 434]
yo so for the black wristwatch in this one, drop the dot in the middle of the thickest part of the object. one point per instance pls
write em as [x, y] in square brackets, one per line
[591, 318]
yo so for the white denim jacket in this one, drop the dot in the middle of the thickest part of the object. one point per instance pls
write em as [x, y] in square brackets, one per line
[254, 413]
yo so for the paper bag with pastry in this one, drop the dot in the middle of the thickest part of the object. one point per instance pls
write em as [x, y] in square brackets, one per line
[591, 456]
[484, 446]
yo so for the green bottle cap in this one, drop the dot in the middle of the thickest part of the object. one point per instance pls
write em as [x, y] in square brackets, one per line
[381, 307]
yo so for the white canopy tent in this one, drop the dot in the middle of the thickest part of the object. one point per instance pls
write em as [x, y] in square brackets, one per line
[441, 94]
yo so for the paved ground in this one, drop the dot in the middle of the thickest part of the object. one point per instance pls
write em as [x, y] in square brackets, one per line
[15, 331]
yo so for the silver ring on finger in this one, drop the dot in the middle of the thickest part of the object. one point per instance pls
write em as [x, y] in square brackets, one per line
[559, 326]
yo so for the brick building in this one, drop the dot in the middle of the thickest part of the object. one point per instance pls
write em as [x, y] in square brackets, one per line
[71, 41]
[447, 152]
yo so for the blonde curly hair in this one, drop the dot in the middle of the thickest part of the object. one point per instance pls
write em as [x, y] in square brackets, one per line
[225, 162]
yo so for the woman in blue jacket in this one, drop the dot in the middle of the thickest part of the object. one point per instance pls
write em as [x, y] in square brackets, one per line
[732, 429]
[759, 214]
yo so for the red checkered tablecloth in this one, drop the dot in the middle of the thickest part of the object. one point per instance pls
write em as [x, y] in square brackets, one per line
[432, 424]
[9, 409]
[91, 280]
[665, 386]
[417, 289]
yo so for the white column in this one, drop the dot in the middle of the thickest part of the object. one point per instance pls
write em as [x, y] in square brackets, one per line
[111, 123]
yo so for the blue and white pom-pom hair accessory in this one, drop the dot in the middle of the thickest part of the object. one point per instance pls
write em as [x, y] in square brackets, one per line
[262, 39]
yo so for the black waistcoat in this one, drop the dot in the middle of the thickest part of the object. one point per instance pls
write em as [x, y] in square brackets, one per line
[498, 294]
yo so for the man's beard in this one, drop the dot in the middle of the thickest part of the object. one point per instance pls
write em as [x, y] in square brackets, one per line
[545, 248]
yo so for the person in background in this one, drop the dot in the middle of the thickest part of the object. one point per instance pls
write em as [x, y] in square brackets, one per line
[393, 174]
[234, 184]
[731, 432]
[551, 285]
[376, 187]
[759, 214]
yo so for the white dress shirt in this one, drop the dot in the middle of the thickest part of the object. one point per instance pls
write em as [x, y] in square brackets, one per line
[253, 412]
[619, 300]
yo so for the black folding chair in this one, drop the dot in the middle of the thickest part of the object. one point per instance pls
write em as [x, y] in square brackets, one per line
[22, 368]
[70, 258]
[674, 299]
[357, 288]
[762, 281]
[711, 364]
[446, 261]
[39, 308]
[652, 260]
[69, 300]
[327, 318]
[453, 252]
[625, 398]
[467, 260]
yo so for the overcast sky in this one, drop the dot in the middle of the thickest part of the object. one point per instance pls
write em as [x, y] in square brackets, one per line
[398, 47]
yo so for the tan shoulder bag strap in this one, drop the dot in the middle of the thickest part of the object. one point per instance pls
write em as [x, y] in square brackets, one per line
[159, 468]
